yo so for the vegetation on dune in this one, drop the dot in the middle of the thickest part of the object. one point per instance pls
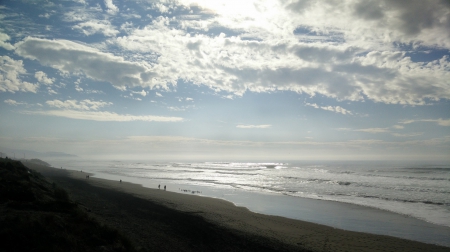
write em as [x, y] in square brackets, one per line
[36, 215]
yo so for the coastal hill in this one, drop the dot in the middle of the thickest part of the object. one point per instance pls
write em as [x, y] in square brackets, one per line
[36, 215]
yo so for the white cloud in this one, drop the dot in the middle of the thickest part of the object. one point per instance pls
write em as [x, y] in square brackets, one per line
[312, 105]
[51, 91]
[373, 130]
[97, 26]
[440, 121]
[407, 135]
[172, 108]
[336, 109]
[158, 94]
[367, 130]
[46, 15]
[3, 38]
[142, 93]
[42, 78]
[182, 108]
[276, 60]
[78, 105]
[407, 121]
[10, 72]
[78, 88]
[104, 116]
[263, 126]
[71, 57]
[110, 7]
[13, 102]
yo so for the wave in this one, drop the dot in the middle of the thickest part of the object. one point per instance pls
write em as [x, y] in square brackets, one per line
[353, 198]
[239, 174]
[428, 169]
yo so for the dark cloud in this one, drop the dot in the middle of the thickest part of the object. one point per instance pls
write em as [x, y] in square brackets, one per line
[298, 5]
[407, 16]
[370, 10]
[324, 54]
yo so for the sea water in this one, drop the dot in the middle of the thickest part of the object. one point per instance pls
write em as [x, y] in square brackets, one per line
[418, 190]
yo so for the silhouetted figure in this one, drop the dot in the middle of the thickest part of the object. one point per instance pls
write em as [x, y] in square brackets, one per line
[159, 187]
[164, 187]
[120, 181]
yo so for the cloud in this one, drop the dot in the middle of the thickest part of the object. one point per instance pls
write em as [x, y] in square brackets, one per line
[367, 130]
[182, 108]
[143, 93]
[51, 91]
[263, 126]
[440, 121]
[407, 135]
[3, 38]
[275, 59]
[312, 105]
[416, 22]
[103, 116]
[407, 121]
[10, 72]
[78, 105]
[97, 26]
[110, 7]
[13, 102]
[336, 109]
[42, 78]
[46, 15]
[373, 130]
[71, 57]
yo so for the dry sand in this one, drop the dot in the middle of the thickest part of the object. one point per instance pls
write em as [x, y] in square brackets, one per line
[105, 200]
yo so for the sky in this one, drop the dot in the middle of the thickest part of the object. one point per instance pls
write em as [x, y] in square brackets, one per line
[226, 80]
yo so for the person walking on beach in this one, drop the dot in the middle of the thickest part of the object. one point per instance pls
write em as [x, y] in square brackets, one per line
[159, 186]
[164, 187]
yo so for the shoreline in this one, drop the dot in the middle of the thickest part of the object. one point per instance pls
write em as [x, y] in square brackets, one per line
[296, 233]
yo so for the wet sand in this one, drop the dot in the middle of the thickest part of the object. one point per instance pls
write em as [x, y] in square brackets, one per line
[154, 218]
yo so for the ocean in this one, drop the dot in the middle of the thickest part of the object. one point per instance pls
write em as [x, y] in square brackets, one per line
[419, 191]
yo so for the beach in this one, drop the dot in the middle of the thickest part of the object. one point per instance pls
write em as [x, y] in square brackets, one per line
[154, 218]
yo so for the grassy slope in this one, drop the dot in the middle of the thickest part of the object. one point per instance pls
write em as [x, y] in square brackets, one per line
[36, 215]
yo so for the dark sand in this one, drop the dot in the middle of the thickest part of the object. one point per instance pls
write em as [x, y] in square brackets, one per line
[159, 220]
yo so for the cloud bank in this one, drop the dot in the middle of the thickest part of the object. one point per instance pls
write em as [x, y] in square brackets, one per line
[103, 116]
[71, 57]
